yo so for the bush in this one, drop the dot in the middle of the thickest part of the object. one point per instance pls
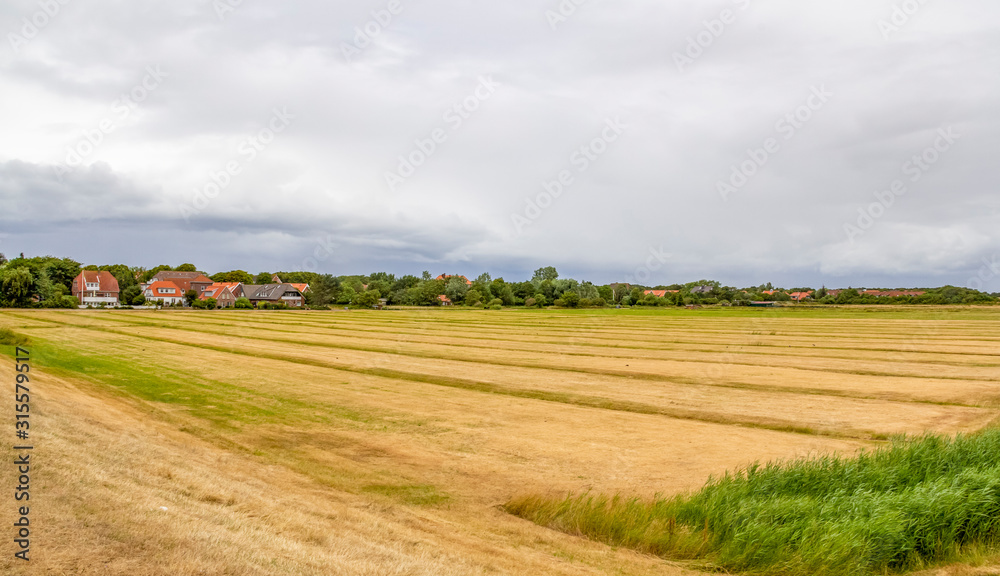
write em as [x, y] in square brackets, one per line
[243, 304]
[530, 302]
[496, 307]
[585, 303]
[495, 304]
[570, 299]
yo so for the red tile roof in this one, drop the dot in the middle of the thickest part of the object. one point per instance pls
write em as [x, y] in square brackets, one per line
[218, 289]
[157, 288]
[105, 280]
[448, 276]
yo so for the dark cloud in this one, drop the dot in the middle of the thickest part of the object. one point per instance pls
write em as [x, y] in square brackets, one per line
[321, 183]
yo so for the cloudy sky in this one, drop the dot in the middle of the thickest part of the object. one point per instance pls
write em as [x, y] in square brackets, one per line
[803, 143]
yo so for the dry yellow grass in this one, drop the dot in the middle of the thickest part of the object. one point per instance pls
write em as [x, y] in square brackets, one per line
[382, 443]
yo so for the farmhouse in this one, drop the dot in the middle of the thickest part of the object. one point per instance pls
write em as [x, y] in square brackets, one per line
[274, 294]
[660, 293]
[223, 294]
[183, 280]
[444, 300]
[164, 292]
[96, 288]
[303, 288]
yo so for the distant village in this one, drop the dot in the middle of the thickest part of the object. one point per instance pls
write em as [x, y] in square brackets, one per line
[50, 282]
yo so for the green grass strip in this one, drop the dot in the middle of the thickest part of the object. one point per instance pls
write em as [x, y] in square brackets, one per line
[913, 504]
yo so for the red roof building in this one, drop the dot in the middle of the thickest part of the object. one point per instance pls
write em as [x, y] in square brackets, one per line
[165, 292]
[222, 292]
[94, 288]
[448, 277]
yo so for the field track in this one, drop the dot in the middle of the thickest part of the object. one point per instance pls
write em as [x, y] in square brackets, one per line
[383, 442]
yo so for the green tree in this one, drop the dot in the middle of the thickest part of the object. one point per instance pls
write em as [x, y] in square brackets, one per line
[17, 284]
[323, 291]
[636, 295]
[186, 268]
[243, 304]
[234, 276]
[367, 299]
[456, 289]
[138, 300]
[570, 299]
[129, 294]
[543, 274]
[190, 297]
[263, 278]
[473, 297]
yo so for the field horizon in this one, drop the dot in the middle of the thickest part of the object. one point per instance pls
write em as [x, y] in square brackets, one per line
[388, 442]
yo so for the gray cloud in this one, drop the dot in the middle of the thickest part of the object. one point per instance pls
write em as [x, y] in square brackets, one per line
[322, 182]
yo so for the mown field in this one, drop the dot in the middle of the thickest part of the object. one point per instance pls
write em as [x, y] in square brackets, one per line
[391, 442]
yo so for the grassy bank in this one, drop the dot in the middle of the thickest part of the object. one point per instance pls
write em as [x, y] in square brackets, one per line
[915, 503]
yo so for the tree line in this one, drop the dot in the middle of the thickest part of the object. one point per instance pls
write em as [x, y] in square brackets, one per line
[46, 281]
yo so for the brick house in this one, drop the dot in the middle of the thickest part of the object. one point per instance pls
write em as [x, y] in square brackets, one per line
[94, 288]
[223, 293]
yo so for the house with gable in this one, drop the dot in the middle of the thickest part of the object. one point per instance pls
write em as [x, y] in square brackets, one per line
[223, 292]
[164, 293]
[184, 280]
[274, 294]
[94, 288]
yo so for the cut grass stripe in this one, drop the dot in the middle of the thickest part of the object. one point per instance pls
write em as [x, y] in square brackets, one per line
[584, 401]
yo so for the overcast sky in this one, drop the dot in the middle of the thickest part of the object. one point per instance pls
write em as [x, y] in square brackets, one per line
[803, 143]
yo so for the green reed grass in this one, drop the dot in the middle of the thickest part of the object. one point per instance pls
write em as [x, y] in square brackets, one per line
[915, 503]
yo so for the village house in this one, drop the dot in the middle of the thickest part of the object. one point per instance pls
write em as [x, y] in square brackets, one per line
[223, 293]
[164, 293]
[447, 277]
[274, 294]
[660, 293]
[94, 288]
[303, 288]
[184, 280]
